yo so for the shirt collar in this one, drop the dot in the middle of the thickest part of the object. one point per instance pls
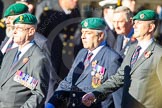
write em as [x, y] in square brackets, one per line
[145, 44]
[95, 51]
[25, 48]
[67, 11]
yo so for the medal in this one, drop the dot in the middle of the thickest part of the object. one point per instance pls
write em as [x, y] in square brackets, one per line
[93, 73]
[97, 74]
[94, 63]
[96, 81]
[25, 80]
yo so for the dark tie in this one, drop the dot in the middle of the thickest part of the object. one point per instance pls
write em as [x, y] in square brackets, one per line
[16, 57]
[9, 45]
[87, 60]
[135, 56]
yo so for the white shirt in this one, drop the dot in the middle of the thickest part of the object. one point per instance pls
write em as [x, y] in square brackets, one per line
[95, 51]
[125, 41]
[25, 49]
[3, 50]
[67, 11]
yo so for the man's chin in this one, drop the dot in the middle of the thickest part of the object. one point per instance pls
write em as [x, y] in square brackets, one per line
[9, 34]
[136, 36]
[85, 46]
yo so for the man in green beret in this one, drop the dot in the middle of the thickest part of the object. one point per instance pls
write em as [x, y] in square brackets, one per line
[24, 77]
[140, 72]
[11, 13]
[94, 64]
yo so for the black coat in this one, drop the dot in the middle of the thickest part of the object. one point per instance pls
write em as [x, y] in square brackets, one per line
[59, 28]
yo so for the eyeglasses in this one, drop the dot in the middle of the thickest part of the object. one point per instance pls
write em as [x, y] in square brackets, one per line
[19, 28]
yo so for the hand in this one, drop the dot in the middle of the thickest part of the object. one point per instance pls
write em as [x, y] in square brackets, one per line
[88, 99]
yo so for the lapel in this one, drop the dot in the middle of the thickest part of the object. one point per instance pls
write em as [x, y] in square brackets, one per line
[89, 68]
[124, 50]
[6, 64]
[119, 43]
[13, 68]
[110, 36]
[142, 57]
[79, 68]
[129, 54]
[4, 42]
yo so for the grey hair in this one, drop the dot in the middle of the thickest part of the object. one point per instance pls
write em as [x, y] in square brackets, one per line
[125, 10]
[34, 25]
[102, 31]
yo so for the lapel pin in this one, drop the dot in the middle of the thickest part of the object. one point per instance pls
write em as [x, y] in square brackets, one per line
[25, 60]
[147, 54]
[94, 63]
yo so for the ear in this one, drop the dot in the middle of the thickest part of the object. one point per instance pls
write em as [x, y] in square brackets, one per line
[101, 36]
[151, 27]
[31, 31]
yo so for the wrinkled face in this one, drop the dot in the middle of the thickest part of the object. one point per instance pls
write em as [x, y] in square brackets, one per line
[9, 25]
[142, 29]
[90, 39]
[121, 25]
[21, 33]
[9, 20]
[70, 4]
[130, 4]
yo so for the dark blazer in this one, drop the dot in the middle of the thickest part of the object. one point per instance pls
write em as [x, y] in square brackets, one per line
[4, 42]
[119, 44]
[1, 46]
[143, 82]
[14, 94]
[45, 45]
[79, 80]
[60, 28]
[111, 36]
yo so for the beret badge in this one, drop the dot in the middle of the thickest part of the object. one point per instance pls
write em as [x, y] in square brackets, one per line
[12, 12]
[85, 24]
[21, 19]
[142, 16]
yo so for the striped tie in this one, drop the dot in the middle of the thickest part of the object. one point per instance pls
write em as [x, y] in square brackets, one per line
[135, 56]
[87, 60]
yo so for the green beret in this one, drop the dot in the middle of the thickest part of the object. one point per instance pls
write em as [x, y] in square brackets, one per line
[26, 18]
[16, 9]
[146, 15]
[94, 23]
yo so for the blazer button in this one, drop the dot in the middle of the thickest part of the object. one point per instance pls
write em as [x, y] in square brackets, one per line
[73, 94]
[73, 104]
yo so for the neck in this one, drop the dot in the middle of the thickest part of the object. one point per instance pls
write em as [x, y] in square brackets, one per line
[23, 45]
[62, 4]
[145, 38]
[128, 31]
